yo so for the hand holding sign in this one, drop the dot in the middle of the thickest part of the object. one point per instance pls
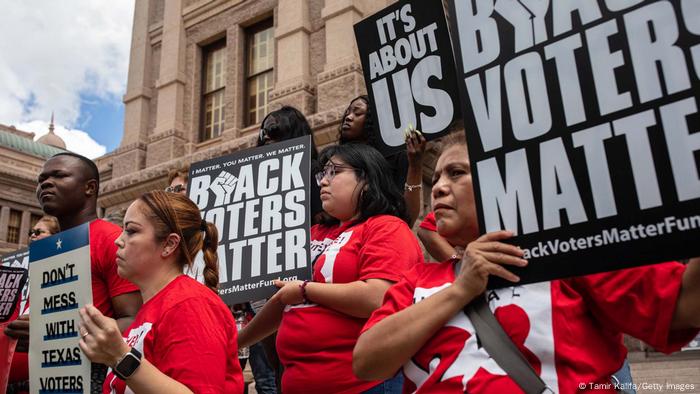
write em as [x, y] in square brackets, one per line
[101, 340]
[485, 257]
[19, 329]
[290, 292]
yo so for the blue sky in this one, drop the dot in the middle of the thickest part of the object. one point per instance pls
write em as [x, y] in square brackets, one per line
[103, 120]
[68, 57]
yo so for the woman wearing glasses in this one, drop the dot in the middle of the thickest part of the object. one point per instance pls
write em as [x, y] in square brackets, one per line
[358, 255]
[358, 126]
[45, 227]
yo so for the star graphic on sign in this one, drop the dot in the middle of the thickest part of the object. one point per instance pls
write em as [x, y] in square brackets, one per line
[58, 243]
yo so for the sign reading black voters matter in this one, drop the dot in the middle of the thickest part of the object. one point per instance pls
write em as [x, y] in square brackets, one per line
[583, 128]
[409, 70]
[14, 287]
[259, 201]
[60, 284]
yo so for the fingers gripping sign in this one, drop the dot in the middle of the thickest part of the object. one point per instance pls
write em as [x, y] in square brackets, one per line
[487, 256]
[223, 186]
[101, 341]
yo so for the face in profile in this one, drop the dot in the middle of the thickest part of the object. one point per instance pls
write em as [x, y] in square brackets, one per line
[139, 252]
[340, 189]
[453, 197]
[353, 127]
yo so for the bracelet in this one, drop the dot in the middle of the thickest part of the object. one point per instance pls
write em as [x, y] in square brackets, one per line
[303, 291]
[410, 188]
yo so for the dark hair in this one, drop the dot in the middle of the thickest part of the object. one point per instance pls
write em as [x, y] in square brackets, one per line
[175, 213]
[88, 164]
[382, 196]
[182, 172]
[292, 123]
[368, 126]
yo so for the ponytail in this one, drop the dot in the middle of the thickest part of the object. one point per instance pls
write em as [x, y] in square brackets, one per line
[175, 213]
[211, 258]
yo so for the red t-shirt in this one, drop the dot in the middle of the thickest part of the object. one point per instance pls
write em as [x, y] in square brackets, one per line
[106, 284]
[569, 330]
[189, 334]
[314, 342]
[428, 222]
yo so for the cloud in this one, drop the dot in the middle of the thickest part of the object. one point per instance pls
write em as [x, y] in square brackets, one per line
[77, 141]
[52, 52]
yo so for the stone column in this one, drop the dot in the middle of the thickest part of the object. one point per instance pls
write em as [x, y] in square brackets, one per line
[293, 85]
[4, 221]
[168, 141]
[131, 153]
[24, 227]
[341, 79]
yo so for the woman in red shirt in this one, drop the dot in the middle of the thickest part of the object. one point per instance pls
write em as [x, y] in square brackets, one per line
[183, 339]
[357, 255]
[568, 330]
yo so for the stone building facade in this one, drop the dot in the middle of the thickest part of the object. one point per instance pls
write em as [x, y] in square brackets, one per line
[202, 74]
[21, 159]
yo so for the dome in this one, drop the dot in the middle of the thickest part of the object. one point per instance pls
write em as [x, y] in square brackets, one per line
[53, 140]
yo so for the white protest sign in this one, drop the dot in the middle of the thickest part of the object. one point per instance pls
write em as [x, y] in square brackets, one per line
[60, 285]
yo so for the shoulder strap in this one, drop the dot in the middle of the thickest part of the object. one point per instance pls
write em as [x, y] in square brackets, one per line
[501, 348]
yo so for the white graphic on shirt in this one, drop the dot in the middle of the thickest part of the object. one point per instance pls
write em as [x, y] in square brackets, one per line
[331, 253]
[135, 340]
[317, 247]
[534, 300]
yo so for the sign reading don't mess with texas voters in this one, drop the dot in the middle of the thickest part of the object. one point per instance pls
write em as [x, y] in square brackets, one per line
[60, 284]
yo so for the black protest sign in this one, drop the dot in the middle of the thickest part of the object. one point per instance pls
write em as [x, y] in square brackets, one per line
[582, 123]
[409, 70]
[259, 201]
[13, 278]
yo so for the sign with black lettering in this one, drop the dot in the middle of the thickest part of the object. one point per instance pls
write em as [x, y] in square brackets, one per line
[60, 284]
[582, 123]
[259, 201]
[409, 70]
[14, 271]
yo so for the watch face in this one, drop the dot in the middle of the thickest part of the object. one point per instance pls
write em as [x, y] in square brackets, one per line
[128, 365]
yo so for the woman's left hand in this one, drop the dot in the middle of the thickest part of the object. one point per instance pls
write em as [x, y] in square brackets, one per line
[101, 341]
[290, 292]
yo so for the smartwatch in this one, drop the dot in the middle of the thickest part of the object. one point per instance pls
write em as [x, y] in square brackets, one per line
[128, 364]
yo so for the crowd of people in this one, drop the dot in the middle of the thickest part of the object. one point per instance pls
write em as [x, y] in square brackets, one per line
[375, 317]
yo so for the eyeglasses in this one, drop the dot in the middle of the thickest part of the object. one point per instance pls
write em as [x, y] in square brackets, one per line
[176, 189]
[329, 171]
[272, 132]
[36, 232]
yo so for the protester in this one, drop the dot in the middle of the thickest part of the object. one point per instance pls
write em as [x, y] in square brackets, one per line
[357, 255]
[177, 180]
[184, 336]
[569, 330]
[46, 226]
[357, 126]
[285, 124]
[18, 380]
[67, 188]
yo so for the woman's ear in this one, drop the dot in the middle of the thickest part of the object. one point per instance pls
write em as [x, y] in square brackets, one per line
[172, 241]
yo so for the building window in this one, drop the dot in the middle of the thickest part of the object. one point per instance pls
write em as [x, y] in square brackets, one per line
[13, 226]
[214, 85]
[260, 59]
